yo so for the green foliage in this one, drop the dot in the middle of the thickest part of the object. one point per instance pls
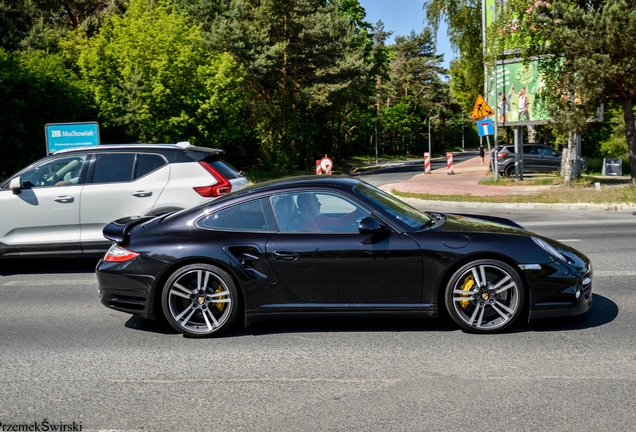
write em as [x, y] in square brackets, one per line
[464, 21]
[306, 73]
[275, 83]
[41, 24]
[35, 89]
[414, 93]
[154, 81]
[587, 58]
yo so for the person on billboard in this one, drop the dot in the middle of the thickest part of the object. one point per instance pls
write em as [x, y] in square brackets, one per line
[524, 104]
[504, 105]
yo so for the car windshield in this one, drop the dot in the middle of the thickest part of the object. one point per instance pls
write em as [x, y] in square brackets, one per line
[393, 206]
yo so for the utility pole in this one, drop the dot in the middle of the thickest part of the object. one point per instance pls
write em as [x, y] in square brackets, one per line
[462, 130]
[429, 135]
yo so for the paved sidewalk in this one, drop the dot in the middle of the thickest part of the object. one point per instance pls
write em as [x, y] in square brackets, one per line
[465, 182]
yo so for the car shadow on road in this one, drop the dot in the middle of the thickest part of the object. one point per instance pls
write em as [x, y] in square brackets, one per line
[14, 266]
[160, 326]
[345, 325]
[603, 311]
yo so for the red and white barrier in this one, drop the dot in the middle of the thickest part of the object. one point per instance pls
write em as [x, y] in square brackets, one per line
[427, 163]
[449, 163]
[324, 165]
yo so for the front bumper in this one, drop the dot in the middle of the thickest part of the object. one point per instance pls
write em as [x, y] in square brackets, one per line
[560, 291]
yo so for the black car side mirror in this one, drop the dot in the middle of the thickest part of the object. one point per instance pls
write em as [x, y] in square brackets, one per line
[370, 225]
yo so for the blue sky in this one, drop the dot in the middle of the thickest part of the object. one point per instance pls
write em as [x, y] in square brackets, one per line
[402, 16]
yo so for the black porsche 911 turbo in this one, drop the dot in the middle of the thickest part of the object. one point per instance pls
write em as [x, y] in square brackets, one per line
[331, 246]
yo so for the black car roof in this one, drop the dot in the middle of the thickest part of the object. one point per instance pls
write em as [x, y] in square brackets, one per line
[307, 181]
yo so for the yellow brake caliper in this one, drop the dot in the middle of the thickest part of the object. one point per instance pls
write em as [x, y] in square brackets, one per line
[219, 306]
[468, 284]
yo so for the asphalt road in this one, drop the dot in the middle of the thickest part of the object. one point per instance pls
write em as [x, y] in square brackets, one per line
[65, 358]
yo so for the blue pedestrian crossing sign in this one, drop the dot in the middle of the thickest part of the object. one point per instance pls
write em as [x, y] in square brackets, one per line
[485, 127]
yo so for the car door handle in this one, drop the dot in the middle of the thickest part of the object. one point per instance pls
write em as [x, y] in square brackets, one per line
[64, 199]
[285, 256]
[142, 194]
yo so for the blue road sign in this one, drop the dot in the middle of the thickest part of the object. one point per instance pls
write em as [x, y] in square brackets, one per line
[66, 135]
[485, 127]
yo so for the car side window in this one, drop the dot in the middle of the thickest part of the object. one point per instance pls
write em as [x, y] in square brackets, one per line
[147, 163]
[113, 167]
[546, 151]
[318, 212]
[250, 216]
[61, 171]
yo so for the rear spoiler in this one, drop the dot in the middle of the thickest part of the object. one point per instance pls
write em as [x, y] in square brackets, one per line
[118, 230]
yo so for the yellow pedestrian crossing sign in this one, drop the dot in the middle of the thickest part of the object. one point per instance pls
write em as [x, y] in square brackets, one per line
[481, 109]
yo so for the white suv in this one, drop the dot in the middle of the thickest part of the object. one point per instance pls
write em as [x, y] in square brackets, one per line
[60, 204]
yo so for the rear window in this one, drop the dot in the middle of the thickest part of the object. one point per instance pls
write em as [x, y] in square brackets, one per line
[147, 163]
[223, 167]
[250, 216]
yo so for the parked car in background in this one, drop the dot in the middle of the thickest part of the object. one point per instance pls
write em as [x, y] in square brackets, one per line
[536, 158]
[60, 204]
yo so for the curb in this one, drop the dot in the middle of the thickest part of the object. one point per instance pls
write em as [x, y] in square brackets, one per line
[526, 206]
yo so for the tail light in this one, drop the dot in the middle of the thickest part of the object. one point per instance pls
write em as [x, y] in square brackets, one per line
[222, 186]
[117, 253]
[501, 155]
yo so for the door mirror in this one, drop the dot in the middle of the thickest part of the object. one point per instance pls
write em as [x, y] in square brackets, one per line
[370, 225]
[15, 185]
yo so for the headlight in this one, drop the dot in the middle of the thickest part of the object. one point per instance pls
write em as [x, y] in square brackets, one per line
[549, 248]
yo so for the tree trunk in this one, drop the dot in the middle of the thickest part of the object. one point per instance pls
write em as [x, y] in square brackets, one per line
[532, 134]
[630, 134]
[568, 161]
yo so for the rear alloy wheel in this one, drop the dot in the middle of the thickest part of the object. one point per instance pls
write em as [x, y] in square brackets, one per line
[200, 300]
[485, 296]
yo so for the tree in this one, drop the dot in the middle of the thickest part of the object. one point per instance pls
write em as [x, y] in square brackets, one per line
[35, 89]
[306, 72]
[414, 93]
[587, 58]
[152, 77]
[40, 24]
[464, 22]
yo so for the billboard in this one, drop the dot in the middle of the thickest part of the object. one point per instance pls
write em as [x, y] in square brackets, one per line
[513, 90]
[66, 135]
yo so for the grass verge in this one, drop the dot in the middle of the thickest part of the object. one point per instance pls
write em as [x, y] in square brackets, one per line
[583, 191]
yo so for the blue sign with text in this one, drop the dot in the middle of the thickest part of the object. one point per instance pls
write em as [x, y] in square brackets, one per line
[60, 136]
[485, 127]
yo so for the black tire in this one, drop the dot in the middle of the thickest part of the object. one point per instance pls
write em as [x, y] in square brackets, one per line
[485, 296]
[510, 170]
[200, 300]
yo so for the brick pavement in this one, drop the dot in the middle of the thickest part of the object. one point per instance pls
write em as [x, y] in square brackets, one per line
[463, 182]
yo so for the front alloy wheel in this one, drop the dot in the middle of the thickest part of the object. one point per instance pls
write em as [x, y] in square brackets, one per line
[200, 300]
[485, 296]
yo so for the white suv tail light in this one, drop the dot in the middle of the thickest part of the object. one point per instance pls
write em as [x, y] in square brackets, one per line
[222, 186]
